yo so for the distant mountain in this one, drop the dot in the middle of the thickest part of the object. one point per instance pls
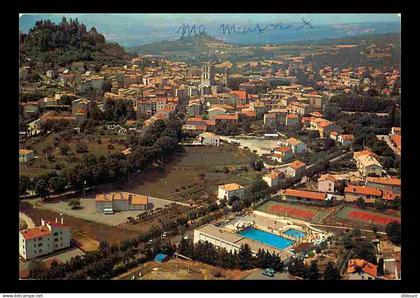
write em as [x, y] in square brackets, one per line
[190, 45]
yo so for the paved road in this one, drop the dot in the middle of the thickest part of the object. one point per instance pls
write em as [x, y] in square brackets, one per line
[344, 228]
[388, 141]
[29, 222]
[257, 275]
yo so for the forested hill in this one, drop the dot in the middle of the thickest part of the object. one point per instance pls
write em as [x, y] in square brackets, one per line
[66, 42]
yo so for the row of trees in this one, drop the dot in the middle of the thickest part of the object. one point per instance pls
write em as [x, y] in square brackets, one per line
[205, 252]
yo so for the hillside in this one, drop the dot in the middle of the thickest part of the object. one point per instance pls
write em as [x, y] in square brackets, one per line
[60, 44]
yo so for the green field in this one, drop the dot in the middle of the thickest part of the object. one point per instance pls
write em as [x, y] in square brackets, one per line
[183, 178]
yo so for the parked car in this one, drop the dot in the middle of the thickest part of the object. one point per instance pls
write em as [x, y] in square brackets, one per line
[269, 272]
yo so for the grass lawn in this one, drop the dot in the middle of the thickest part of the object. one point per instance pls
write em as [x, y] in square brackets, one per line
[181, 179]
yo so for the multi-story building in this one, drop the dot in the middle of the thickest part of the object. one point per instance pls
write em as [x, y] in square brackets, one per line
[227, 191]
[44, 239]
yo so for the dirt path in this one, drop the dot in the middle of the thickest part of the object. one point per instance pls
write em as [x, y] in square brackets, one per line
[30, 223]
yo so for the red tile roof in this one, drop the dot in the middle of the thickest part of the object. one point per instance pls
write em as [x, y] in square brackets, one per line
[35, 232]
[359, 264]
[363, 190]
[321, 196]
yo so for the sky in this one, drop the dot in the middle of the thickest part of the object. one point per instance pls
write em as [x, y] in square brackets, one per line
[143, 28]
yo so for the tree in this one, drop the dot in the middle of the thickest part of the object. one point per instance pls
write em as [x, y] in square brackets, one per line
[361, 203]
[186, 247]
[41, 188]
[64, 149]
[366, 251]
[245, 257]
[24, 184]
[297, 268]
[393, 231]
[347, 241]
[74, 203]
[106, 86]
[381, 267]
[104, 247]
[237, 206]
[313, 272]
[58, 183]
[356, 232]
[81, 147]
[36, 269]
[331, 272]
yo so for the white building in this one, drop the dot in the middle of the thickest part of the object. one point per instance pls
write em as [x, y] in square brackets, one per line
[326, 183]
[296, 145]
[272, 179]
[44, 239]
[227, 191]
[26, 155]
[208, 138]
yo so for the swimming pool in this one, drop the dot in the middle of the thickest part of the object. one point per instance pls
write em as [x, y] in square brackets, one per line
[294, 233]
[266, 238]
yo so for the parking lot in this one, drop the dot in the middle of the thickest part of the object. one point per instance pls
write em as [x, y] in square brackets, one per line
[88, 211]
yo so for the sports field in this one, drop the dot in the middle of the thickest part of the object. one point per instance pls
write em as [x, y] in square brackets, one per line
[366, 216]
[310, 214]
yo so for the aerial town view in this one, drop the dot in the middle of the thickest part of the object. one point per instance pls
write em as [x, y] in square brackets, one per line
[209, 147]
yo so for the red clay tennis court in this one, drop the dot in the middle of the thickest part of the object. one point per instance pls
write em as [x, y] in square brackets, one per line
[369, 217]
[292, 211]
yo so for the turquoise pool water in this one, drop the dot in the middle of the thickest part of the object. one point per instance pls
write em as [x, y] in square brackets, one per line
[266, 238]
[294, 233]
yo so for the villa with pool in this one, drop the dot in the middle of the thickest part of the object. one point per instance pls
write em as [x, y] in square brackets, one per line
[261, 230]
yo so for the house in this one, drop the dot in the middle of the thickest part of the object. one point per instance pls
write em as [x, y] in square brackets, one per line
[324, 127]
[215, 111]
[227, 191]
[26, 155]
[345, 139]
[282, 154]
[369, 194]
[396, 131]
[305, 196]
[270, 119]
[326, 183]
[293, 169]
[393, 184]
[297, 146]
[121, 201]
[359, 269]
[44, 239]
[273, 178]
[367, 163]
[34, 128]
[292, 120]
[80, 105]
[209, 138]
[226, 118]
[193, 109]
